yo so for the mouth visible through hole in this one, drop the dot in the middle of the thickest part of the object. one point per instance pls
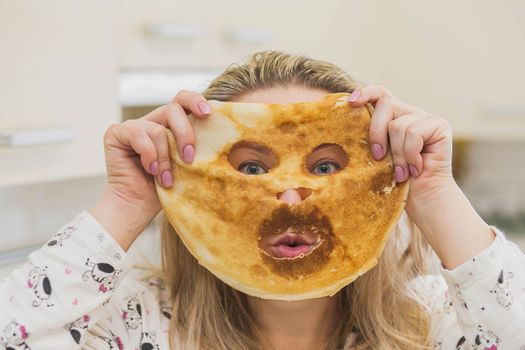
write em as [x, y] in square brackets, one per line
[292, 244]
[297, 221]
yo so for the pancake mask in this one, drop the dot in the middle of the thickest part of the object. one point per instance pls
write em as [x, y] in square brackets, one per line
[234, 223]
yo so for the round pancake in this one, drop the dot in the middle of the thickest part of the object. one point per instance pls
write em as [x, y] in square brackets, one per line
[222, 214]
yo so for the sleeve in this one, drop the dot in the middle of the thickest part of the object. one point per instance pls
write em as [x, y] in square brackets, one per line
[136, 318]
[488, 296]
[52, 300]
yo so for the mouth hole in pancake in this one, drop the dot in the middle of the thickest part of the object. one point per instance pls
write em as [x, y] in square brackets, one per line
[326, 159]
[304, 221]
[293, 243]
[251, 158]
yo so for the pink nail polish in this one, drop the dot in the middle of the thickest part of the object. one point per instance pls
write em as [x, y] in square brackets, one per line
[188, 153]
[399, 173]
[354, 96]
[167, 178]
[413, 170]
[154, 168]
[377, 151]
[204, 108]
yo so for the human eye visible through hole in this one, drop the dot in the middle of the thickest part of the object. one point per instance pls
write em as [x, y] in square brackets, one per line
[326, 159]
[251, 158]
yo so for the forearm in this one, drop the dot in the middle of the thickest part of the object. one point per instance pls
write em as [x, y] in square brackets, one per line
[451, 225]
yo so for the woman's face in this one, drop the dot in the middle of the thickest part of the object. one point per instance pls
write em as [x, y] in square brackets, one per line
[307, 227]
[254, 159]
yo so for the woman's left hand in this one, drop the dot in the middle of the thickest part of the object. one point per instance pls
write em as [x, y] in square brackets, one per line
[421, 143]
[421, 146]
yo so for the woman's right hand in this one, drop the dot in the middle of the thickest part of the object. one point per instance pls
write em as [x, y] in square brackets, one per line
[137, 154]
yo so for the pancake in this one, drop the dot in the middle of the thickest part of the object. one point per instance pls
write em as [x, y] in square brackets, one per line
[223, 215]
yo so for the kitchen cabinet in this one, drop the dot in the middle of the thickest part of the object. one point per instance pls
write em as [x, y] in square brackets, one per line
[58, 72]
[460, 60]
[208, 33]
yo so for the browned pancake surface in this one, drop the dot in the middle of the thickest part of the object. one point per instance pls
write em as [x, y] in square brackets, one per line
[221, 214]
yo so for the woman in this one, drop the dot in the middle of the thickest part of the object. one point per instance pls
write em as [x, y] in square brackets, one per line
[79, 291]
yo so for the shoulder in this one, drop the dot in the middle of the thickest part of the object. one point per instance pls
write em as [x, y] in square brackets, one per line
[144, 287]
[139, 304]
[136, 313]
[433, 294]
[431, 291]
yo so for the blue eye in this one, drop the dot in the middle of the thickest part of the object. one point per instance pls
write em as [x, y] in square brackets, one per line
[252, 168]
[325, 168]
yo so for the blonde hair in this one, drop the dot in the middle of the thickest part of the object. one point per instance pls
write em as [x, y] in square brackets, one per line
[208, 314]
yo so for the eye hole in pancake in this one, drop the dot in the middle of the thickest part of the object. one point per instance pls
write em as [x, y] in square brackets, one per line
[326, 159]
[251, 158]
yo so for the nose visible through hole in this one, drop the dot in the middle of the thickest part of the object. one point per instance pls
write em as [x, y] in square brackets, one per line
[294, 195]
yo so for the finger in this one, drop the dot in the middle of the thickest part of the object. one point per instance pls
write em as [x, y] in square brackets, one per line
[386, 110]
[378, 132]
[414, 143]
[182, 130]
[397, 134]
[133, 136]
[370, 93]
[421, 137]
[194, 102]
[174, 117]
[158, 135]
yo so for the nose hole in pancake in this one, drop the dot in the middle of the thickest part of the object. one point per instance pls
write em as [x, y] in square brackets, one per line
[303, 193]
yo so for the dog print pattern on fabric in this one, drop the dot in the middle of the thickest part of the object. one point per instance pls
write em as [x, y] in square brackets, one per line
[78, 328]
[486, 340]
[132, 313]
[502, 290]
[85, 269]
[103, 273]
[462, 344]
[166, 309]
[39, 282]
[111, 343]
[59, 238]
[14, 337]
[461, 298]
[147, 341]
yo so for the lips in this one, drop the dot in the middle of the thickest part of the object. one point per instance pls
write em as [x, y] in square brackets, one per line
[293, 243]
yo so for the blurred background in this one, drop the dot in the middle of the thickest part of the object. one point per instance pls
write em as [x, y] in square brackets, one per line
[69, 69]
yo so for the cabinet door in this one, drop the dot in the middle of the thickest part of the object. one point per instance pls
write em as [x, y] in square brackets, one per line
[462, 60]
[58, 68]
[209, 33]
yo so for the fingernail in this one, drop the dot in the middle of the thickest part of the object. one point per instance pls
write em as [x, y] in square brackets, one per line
[167, 178]
[399, 173]
[154, 168]
[413, 170]
[354, 96]
[377, 151]
[188, 153]
[204, 108]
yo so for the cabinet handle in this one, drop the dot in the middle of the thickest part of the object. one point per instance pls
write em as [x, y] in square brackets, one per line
[516, 112]
[37, 136]
[175, 31]
[248, 36]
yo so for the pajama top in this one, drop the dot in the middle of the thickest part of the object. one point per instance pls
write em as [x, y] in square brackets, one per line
[79, 291]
